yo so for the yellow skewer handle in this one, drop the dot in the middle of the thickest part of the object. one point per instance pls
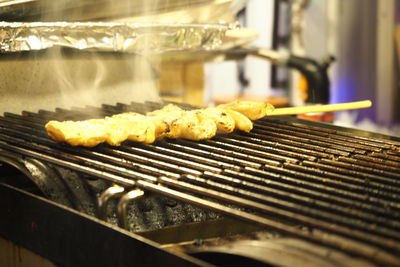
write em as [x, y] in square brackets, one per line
[320, 108]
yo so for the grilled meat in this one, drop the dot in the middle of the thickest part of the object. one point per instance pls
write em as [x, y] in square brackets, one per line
[242, 122]
[78, 133]
[252, 110]
[113, 130]
[129, 126]
[225, 123]
[174, 122]
[168, 122]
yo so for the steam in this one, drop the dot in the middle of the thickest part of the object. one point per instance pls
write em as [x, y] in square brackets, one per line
[102, 78]
[82, 78]
[63, 78]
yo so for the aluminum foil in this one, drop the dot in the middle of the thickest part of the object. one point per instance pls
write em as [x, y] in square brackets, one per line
[120, 37]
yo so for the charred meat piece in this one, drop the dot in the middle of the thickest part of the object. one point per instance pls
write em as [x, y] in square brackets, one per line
[242, 122]
[225, 123]
[174, 122]
[252, 110]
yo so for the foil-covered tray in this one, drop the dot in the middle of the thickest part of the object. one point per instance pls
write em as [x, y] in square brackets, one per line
[138, 38]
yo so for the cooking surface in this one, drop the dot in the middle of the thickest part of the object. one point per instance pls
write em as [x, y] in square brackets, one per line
[311, 181]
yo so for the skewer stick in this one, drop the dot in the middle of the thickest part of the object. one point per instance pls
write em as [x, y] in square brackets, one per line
[320, 108]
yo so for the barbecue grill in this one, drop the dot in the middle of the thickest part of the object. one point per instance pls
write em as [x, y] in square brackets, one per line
[289, 192]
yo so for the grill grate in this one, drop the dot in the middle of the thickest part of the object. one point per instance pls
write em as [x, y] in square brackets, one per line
[322, 184]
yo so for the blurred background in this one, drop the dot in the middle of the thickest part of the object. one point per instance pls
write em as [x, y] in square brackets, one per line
[357, 43]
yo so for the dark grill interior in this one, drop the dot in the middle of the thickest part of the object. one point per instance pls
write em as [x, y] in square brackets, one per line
[322, 184]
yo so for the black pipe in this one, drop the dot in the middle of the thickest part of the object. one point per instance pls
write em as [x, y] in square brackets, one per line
[316, 74]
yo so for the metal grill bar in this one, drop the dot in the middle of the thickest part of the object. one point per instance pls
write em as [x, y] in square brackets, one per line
[356, 175]
[297, 212]
[325, 201]
[350, 164]
[388, 163]
[295, 144]
[326, 180]
[343, 135]
[306, 138]
[244, 159]
[298, 204]
[320, 187]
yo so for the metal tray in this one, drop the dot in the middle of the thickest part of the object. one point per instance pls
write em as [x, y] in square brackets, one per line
[117, 37]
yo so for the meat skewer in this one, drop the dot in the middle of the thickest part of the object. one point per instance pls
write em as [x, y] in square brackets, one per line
[320, 108]
[173, 122]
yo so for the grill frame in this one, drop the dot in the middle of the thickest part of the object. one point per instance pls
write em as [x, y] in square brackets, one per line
[273, 152]
[46, 228]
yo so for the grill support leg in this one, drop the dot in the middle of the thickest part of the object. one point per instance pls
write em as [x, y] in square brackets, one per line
[123, 203]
